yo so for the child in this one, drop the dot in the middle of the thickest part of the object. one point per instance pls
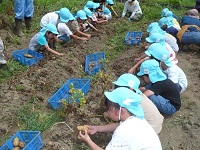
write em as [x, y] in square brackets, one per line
[155, 39]
[75, 25]
[23, 11]
[151, 113]
[109, 4]
[167, 26]
[2, 60]
[63, 15]
[65, 33]
[172, 71]
[154, 27]
[44, 38]
[133, 132]
[162, 92]
[133, 7]
[90, 22]
[95, 8]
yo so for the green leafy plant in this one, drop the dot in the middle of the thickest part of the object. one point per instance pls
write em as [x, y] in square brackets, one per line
[73, 103]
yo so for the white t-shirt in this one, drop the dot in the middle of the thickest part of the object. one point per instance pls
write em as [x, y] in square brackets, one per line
[63, 29]
[134, 8]
[51, 17]
[172, 53]
[134, 134]
[176, 74]
[171, 41]
[151, 114]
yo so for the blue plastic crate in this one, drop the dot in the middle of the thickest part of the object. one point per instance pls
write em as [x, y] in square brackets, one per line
[18, 55]
[63, 92]
[95, 59]
[31, 139]
[133, 38]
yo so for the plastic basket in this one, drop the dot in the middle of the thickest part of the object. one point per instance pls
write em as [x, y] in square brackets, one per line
[133, 38]
[19, 56]
[63, 92]
[31, 139]
[94, 59]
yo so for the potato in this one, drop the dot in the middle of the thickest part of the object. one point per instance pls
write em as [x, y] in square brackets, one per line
[16, 148]
[21, 144]
[82, 128]
[28, 56]
[70, 91]
[16, 142]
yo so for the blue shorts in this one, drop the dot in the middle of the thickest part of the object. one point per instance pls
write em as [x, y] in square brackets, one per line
[163, 105]
[65, 38]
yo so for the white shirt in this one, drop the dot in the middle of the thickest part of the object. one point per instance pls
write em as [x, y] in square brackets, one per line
[134, 134]
[134, 8]
[171, 41]
[63, 29]
[51, 17]
[151, 114]
[172, 53]
[176, 74]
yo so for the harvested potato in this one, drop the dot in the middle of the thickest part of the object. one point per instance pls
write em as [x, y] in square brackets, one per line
[91, 65]
[82, 128]
[16, 142]
[16, 148]
[21, 144]
[70, 91]
[27, 55]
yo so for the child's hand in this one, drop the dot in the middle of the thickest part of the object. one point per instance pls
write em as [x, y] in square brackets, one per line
[132, 70]
[89, 36]
[84, 39]
[91, 129]
[60, 54]
[84, 136]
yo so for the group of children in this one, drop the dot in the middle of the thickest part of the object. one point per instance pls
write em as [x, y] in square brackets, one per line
[136, 109]
[139, 107]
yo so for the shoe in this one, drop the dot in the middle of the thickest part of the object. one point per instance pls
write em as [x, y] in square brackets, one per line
[18, 27]
[28, 22]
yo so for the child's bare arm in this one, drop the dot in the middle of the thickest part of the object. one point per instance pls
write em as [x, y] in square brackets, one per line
[78, 38]
[92, 26]
[84, 34]
[134, 68]
[52, 51]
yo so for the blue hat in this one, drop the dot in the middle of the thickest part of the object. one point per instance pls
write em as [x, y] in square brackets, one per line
[166, 21]
[128, 99]
[49, 27]
[109, 2]
[152, 68]
[81, 14]
[65, 15]
[88, 12]
[164, 12]
[159, 52]
[91, 4]
[158, 30]
[155, 38]
[153, 25]
[129, 80]
[106, 11]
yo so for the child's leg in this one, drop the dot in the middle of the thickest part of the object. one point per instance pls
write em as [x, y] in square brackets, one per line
[163, 104]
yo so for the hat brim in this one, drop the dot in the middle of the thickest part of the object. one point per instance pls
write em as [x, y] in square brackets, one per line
[140, 73]
[96, 5]
[156, 76]
[149, 40]
[110, 97]
[119, 83]
[147, 53]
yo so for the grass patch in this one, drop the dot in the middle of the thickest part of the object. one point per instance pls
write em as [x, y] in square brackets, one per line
[13, 68]
[32, 116]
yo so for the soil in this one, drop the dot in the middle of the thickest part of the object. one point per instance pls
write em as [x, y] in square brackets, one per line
[180, 131]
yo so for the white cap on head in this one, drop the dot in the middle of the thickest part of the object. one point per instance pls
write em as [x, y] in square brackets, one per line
[130, 0]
